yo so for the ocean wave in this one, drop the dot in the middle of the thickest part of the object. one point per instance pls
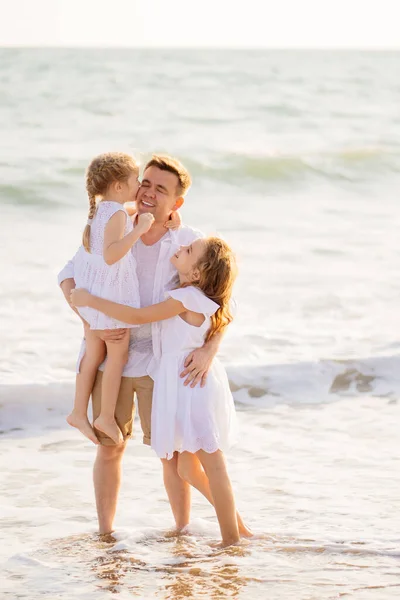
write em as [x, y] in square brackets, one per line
[55, 182]
[351, 165]
[22, 194]
[315, 382]
[47, 193]
[265, 386]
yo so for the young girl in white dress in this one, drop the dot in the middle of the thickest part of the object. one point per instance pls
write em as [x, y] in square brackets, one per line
[105, 266]
[197, 423]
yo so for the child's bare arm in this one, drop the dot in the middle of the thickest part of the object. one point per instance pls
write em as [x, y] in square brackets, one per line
[116, 245]
[134, 316]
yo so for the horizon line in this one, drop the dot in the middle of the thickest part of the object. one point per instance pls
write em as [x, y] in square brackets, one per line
[260, 48]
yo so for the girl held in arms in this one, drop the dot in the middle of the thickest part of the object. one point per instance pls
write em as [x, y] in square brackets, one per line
[105, 266]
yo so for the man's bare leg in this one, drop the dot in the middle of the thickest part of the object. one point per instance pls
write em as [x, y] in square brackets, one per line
[178, 491]
[107, 482]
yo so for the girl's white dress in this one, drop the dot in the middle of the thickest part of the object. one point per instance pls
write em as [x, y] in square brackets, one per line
[185, 418]
[117, 282]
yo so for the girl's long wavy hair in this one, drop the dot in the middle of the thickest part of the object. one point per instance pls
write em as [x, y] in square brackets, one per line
[217, 273]
[104, 170]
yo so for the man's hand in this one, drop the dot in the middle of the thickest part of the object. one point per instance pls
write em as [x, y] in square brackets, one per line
[197, 365]
[66, 287]
[113, 335]
[79, 297]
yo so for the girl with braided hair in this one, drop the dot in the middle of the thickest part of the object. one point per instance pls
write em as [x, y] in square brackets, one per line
[105, 266]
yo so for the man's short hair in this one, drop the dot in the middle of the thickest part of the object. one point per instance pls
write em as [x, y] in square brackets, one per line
[172, 165]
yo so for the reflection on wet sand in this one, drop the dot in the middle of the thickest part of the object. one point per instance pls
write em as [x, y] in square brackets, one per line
[202, 575]
[218, 582]
[114, 569]
[179, 567]
[194, 572]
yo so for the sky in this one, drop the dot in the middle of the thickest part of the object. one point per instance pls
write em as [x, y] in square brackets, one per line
[201, 23]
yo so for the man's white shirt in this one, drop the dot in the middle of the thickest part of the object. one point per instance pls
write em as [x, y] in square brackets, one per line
[165, 278]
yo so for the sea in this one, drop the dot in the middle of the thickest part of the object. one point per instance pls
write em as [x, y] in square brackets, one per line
[295, 159]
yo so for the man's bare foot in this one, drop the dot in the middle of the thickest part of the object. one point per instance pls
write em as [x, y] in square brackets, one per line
[107, 538]
[178, 531]
[110, 428]
[81, 422]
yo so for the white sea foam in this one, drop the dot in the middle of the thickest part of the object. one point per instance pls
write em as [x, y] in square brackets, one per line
[317, 483]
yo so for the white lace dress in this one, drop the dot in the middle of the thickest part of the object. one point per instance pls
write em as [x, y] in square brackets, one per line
[117, 282]
[185, 418]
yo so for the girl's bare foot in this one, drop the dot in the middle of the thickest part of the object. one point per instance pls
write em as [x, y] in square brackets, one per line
[81, 422]
[243, 529]
[110, 428]
[240, 544]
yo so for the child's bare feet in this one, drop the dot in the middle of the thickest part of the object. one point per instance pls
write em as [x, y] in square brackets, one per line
[81, 422]
[243, 529]
[240, 545]
[110, 428]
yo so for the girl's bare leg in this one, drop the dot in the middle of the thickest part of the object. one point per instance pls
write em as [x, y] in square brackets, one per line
[117, 355]
[190, 469]
[222, 494]
[93, 357]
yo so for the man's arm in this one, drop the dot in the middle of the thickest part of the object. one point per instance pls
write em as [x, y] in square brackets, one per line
[198, 362]
[67, 285]
[66, 272]
[66, 281]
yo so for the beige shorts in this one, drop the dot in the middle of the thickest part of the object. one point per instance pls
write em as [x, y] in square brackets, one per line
[125, 409]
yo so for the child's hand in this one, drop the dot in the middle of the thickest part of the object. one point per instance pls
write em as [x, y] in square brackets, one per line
[80, 297]
[145, 221]
[175, 220]
[130, 208]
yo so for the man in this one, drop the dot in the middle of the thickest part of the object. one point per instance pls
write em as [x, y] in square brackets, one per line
[164, 185]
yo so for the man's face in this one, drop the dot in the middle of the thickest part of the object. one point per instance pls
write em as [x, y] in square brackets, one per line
[158, 194]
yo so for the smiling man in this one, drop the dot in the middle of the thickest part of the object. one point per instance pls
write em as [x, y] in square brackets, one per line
[164, 185]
